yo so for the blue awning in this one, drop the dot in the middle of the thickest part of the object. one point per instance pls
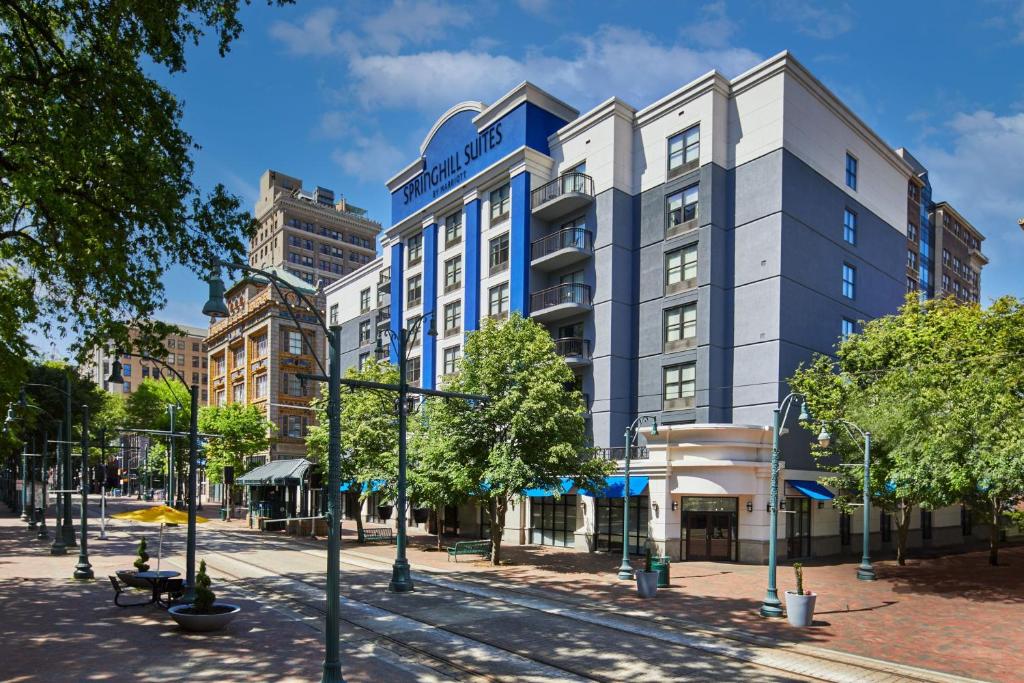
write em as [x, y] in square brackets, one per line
[615, 487]
[345, 487]
[811, 489]
[563, 487]
[370, 486]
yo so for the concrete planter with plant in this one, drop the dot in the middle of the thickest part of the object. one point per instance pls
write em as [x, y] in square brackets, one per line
[800, 603]
[647, 579]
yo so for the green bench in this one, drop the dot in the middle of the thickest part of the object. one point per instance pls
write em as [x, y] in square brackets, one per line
[378, 533]
[481, 548]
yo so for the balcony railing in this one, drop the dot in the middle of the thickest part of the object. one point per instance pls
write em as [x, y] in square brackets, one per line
[573, 346]
[384, 279]
[384, 316]
[569, 238]
[569, 183]
[619, 453]
[569, 293]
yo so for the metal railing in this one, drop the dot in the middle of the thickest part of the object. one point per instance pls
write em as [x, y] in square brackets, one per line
[569, 293]
[579, 238]
[619, 453]
[384, 315]
[385, 277]
[573, 346]
[568, 183]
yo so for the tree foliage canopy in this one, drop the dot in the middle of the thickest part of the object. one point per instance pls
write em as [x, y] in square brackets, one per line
[94, 165]
[243, 431]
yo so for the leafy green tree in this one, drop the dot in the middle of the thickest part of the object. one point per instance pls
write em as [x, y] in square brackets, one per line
[369, 432]
[243, 431]
[94, 164]
[147, 407]
[939, 387]
[530, 433]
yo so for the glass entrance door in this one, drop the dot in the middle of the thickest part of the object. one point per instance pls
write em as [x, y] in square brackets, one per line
[798, 527]
[709, 526]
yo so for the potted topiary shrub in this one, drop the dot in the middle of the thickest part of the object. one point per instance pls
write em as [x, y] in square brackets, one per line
[141, 564]
[800, 603]
[646, 580]
[205, 613]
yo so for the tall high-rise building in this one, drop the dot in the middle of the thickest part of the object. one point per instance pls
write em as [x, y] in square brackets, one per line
[308, 233]
[686, 257]
[944, 256]
[186, 353]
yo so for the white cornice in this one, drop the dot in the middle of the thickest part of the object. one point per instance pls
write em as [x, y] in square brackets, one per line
[405, 175]
[468, 105]
[689, 92]
[613, 106]
[524, 92]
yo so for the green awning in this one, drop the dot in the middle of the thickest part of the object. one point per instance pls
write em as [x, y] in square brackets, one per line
[276, 473]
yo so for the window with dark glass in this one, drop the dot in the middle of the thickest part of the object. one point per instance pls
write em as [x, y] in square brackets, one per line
[553, 521]
[498, 300]
[453, 229]
[453, 273]
[851, 171]
[926, 524]
[684, 150]
[451, 359]
[414, 290]
[452, 318]
[498, 254]
[847, 328]
[849, 281]
[682, 206]
[364, 300]
[500, 204]
[849, 226]
[414, 245]
[680, 385]
[608, 523]
[680, 326]
[364, 332]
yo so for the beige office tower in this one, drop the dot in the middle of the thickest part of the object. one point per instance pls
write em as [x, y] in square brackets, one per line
[308, 233]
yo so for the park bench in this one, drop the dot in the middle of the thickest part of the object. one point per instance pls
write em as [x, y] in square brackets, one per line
[378, 533]
[481, 548]
[119, 589]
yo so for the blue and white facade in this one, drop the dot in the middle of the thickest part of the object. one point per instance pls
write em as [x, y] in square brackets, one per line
[685, 256]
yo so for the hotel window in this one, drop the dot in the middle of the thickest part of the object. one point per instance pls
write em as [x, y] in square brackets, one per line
[850, 226]
[911, 232]
[292, 385]
[680, 327]
[452, 273]
[414, 291]
[415, 247]
[498, 300]
[238, 357]
[260, 385]
[364, 332]
[945, 282]
[451, 358]
[126, 370]
[453, 229]
[452, 318]
[181, 342]
[498, 251]
[413, 371]
[680, 386]
[851, 171]
[293, 342]
[195, 361]
[261, 346]
[956, 265]
[681, 269]
[499, 203]
[363, 357]
[364, 300]
[414, 329]
[911, 259]
[681, 208]
[145, 371]
[849, 281]
[684, 151]
[945, 257]
[911, 284]
[195, 347]
[238, 393]
[170, 358]
[334, 314]
[293, 425]
[220, 397]
[847, 328]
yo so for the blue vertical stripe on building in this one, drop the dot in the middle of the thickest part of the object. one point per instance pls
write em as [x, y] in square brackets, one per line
[429, 305]
[397, 296]
[519, 244]
[471, 269]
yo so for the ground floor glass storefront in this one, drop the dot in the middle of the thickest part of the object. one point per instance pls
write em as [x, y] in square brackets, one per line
[709, 528]
[608, 524]
[553, 520]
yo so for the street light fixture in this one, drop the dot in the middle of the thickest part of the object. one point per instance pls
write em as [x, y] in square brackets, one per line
[626, 569]
[865, 572]
[771, 606]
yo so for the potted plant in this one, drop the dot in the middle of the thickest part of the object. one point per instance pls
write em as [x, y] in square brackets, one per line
[141, 564]
[205, 613]
[646, 580]
[420, 515]
[800, 603]
[384, 512]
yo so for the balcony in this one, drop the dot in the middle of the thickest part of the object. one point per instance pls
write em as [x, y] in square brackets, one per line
[561, 248]
[383, 318]
[560, 301]
[384, 279]
[565, 194]
[619, 453]
[574, 350]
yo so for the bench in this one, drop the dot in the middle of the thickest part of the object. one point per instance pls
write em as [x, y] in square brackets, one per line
[481, 548]
[119, 589]
[378, 533]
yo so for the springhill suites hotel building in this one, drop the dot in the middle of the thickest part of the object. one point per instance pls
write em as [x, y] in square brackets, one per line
[685, 257]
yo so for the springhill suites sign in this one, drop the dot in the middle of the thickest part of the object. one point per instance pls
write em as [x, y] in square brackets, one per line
[452, 169]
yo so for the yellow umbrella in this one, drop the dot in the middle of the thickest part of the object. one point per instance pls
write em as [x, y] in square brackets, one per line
[159, 514]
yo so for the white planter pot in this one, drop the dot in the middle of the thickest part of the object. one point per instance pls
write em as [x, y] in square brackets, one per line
[203, 622]
[646, 583]
[800, 608]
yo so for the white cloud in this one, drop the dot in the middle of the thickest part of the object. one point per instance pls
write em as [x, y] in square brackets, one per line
[534, 6]
[313, 36]
[980, 174]
[715, 28]
[815, 20]
[370, 157]
[613, 61]
[413, 22]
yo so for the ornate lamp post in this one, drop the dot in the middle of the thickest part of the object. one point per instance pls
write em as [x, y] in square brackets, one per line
[626, 569]
[771, 606]
[83, 570]
[865, 572]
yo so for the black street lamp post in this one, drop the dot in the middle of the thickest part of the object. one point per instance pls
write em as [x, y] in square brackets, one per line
[83, 570]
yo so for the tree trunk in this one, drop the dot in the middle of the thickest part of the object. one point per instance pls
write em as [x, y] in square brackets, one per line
[436, 514]
[902, 527]
[497, 528]
[993, 534]
[359, 523]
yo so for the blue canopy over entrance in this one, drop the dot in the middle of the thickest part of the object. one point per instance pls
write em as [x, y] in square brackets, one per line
[811, 489]
[615, 487]
[563, 487]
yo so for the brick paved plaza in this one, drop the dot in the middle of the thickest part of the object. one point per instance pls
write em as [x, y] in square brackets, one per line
[952, 614]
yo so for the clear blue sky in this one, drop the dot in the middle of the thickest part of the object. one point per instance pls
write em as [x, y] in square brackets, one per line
[341, 94]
